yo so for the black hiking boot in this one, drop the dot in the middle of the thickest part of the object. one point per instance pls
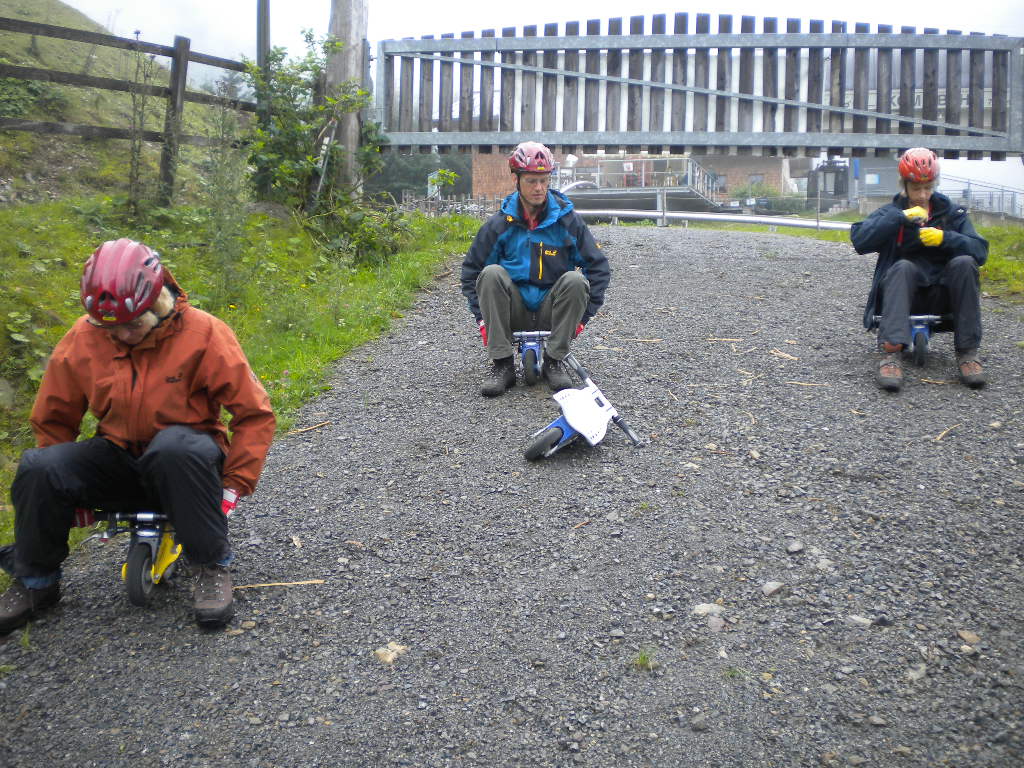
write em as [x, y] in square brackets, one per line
[554, 374]
[501, 377]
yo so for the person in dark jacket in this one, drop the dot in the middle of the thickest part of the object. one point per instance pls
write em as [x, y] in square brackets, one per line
[928, 260]
[533, 266]
[156, 373]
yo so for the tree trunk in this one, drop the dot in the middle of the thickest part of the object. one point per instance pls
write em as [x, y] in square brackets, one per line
[348, 26]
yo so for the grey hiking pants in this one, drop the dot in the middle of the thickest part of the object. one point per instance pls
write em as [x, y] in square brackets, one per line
[504, 312]
[909, 288]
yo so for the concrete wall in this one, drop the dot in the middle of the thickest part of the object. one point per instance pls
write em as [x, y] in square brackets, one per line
[738, 169]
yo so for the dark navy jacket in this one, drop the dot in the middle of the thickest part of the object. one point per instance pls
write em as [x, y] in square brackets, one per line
[536, 259]
[887, 232]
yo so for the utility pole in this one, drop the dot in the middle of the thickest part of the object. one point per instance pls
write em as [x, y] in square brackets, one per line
[348, 26]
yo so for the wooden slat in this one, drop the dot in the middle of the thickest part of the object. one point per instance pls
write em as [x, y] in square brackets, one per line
[390, 115]
[769, 83]
[815, 85]
[679, 65]
[507, 117]
[426, 110]
[635, 93]
[861, 72]
[467, 66]
[95, 131]
[591, 88]
[701, 75]
[571, 85]
[549, 84]
[976, 95]
[1000, 82]
[837, 86]
[656, 109]
[908, 81]
[954, 94]
[930, 85]
[745, 114]
[487, 87]
[723, 82]
[445, 97]
[791, 115]
[883, 88]
[613, 91]
[528, 98]
[405, 93]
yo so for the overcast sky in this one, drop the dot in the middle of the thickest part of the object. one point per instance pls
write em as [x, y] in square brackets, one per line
[228, 27]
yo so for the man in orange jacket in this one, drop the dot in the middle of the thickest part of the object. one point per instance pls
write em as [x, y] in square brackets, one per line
[156, 373]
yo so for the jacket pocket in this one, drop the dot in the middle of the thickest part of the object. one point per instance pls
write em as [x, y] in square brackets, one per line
[547, 264]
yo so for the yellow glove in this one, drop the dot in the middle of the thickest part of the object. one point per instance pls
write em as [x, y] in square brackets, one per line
[931, 236]
[917, 214]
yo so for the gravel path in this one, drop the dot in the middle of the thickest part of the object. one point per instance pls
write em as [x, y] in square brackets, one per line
[527, 593]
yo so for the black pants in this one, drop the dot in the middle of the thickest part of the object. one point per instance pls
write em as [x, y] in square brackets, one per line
[912, 288]
[178, 474]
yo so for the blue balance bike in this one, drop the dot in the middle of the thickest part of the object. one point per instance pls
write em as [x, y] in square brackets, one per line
[921, 329]
[585, 413]
[530, 345]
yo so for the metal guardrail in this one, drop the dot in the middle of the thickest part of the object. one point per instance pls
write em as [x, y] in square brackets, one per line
[664, 216]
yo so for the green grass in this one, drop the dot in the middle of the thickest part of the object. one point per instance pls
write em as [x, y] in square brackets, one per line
[644, 661]
[282, 274]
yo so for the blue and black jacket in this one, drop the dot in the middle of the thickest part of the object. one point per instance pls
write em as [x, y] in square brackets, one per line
[536, 258]
[888, 233]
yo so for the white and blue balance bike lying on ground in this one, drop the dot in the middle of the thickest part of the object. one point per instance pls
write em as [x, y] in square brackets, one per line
[585, 413]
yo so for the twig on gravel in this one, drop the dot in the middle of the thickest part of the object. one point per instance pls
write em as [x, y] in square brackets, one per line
[752, 419]
[933, 381]
[783, 355]
[307, 429]
[646, 341]
[673, 395]
[580, 525]
[716, 338]
[281, 584]
[806, 384]
[946, 431]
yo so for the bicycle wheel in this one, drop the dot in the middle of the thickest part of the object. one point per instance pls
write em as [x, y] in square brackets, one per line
[543, 443]
[139, 574]
[530, 367]
[920, 348]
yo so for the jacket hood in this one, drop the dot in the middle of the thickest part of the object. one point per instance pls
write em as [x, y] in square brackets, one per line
[558, 205]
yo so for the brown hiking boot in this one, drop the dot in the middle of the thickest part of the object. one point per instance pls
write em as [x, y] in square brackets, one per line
[554, 374]
[890, 368]
[19, 604]
[969, 367]
[213, 602]
[502, 376]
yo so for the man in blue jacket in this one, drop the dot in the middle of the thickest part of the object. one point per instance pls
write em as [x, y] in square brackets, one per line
[928, 260]
[532, 266]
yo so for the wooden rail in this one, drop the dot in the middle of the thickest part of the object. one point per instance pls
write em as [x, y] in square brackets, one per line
[175, 92]
[790, 92]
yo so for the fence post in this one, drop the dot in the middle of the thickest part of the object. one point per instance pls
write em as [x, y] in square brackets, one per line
[172, 119]
[263, 94]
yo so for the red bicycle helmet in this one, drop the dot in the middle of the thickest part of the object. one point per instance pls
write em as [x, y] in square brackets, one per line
[120, 281]
[531, 157]
[919, 164]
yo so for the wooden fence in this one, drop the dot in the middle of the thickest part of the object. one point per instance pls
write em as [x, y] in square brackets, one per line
[770, 91]
[180, 54]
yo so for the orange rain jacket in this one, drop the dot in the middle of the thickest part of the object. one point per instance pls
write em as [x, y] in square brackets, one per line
[183, 372]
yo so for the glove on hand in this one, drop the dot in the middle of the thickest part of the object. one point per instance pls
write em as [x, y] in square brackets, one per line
[931, 236]
[917, 214]
[83, 517]
[483, 332]
[579, 330]
[229, 501]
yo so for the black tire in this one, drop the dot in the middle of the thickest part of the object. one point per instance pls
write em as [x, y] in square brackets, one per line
[530, 372]
[139, 575]
[542, 443]
[920, 348]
